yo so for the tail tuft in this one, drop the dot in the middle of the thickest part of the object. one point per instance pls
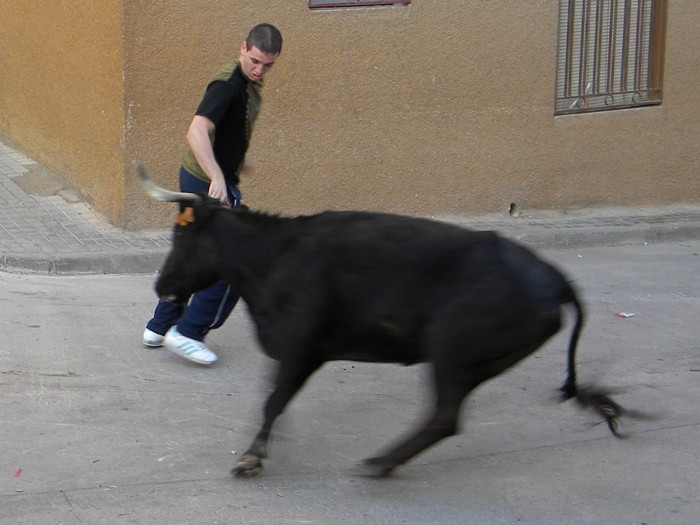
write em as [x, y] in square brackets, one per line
[598, 400]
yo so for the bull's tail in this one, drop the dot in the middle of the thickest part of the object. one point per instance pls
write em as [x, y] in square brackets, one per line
[596, 399]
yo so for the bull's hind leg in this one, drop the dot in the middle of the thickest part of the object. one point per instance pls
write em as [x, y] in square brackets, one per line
[443, 423]
[288, 382]
[457, 373]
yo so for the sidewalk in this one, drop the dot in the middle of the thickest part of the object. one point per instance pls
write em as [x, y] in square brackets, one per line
[49, 234]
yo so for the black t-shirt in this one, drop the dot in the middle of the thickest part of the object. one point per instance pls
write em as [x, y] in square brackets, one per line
[232, 102]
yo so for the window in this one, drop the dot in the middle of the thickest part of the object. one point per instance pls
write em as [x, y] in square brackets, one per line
[353, 3]
[610, 54]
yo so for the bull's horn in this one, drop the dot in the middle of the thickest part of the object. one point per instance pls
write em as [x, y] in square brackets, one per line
[161, 194]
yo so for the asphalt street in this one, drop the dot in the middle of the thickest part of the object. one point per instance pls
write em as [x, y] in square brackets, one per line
[98, 429]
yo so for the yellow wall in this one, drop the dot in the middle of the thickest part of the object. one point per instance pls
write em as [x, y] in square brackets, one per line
[61, 91]
[440, 107]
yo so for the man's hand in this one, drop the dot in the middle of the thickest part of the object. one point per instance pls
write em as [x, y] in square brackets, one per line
[218, 191]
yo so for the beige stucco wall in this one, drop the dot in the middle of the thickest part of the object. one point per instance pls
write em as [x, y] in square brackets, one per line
[440, 107]
[61, 91]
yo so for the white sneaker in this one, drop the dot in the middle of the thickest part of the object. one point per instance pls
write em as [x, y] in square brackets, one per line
[188, 348]
[152, 339]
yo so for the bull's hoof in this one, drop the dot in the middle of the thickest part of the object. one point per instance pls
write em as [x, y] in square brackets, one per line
[373, 468]
[248, 466]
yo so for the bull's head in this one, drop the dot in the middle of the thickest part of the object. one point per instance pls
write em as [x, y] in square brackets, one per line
[190, 265]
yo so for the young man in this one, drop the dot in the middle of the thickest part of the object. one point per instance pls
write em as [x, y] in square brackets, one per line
[218, 139]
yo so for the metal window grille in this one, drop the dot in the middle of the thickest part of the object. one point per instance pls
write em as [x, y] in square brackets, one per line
[610, 54]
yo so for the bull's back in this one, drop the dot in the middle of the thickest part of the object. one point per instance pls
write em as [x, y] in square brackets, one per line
[412, 258]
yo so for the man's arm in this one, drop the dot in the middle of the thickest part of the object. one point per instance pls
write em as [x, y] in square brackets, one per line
[199, 143]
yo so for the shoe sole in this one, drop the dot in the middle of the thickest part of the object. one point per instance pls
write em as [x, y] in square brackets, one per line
[189, 358]
[179, 353]
[152, 345]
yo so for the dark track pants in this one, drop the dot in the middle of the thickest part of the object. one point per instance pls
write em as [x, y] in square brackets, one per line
[207, 309]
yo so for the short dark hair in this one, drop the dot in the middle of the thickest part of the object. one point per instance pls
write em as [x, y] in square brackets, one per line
[266, 37]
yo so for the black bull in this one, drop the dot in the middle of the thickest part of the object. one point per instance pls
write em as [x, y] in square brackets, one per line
[376, 287]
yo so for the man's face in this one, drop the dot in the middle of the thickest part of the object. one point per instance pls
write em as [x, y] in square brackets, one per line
[254, 63]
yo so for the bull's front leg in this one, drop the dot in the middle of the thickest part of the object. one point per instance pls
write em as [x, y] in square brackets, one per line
[290, 378]
[250, 463]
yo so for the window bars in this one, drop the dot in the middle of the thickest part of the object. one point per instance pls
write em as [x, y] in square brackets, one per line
[610, 54]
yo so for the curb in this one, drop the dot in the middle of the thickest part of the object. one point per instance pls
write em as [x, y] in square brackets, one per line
[535, 236]
[135, 262]
[591, 236]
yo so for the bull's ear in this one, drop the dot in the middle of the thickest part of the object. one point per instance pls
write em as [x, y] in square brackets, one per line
[185, 217]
